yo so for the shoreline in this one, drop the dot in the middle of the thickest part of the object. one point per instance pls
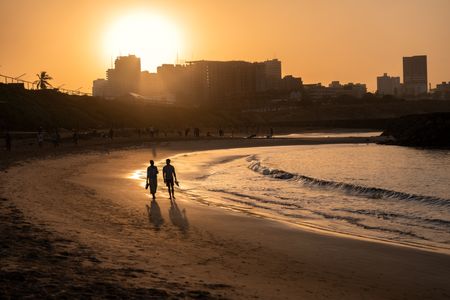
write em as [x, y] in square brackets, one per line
[302, 264]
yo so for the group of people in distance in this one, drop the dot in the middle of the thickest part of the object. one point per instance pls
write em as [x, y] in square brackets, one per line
[169, 176]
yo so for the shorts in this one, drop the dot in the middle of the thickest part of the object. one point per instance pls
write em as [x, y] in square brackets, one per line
[169, 182]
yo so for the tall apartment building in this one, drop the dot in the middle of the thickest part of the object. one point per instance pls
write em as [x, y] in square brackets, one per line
[200, 82]
[387, 85]
[415, 78]
[125, 76]
[272, 72]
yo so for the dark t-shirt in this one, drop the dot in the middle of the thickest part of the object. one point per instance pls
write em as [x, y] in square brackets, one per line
[168, 172]
[152, 171]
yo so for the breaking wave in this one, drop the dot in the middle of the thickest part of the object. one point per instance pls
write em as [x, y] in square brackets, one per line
[353, 189]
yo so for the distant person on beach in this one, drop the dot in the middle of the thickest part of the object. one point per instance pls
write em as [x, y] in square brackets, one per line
[56, 138]
[152, 182]
[111, 133]
[152, 132]
[170, 177]
[40, 137]
[75, 137]
[8, 139]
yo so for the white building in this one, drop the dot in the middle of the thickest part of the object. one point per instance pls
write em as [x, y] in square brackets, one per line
[387, 85]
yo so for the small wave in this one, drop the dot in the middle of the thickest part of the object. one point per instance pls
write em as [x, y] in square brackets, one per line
[371, 192]
[390, 216]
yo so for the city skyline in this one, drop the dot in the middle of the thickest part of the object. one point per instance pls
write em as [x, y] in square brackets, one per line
[320, 41]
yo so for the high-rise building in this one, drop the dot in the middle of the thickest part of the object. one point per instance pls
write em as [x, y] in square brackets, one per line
[125, 76]
[272, 72]
[227, 82]
[387, 85]
[100, 88]
[415, 79]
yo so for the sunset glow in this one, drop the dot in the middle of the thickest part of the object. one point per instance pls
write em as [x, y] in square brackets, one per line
[149, 36]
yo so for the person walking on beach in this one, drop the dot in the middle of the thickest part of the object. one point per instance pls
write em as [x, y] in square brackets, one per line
[152, 182]
[170, 177]
[75, 137]
[40, 137]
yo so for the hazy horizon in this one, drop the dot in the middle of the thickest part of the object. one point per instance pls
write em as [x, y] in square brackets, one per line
[320, 41]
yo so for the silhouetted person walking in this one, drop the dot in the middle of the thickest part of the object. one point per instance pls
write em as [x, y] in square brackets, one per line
[75, 137]
[170, 177]
[40, 137]
[152, 182]
[56, 138]
[111, 134]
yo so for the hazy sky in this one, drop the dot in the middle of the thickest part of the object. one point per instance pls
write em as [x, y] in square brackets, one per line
[318, 40]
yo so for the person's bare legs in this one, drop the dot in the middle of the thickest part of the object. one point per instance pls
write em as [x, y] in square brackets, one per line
[170, 189]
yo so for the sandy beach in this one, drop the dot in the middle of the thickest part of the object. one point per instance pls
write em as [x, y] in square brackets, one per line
[77, 226]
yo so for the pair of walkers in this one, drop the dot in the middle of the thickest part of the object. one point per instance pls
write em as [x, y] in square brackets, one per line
[169, 176]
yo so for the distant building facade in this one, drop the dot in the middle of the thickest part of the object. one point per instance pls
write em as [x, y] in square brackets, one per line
[200, 82]
[335, 89]
[442, 91]
[415, 76]
[272, 74]
[100, 88]
[387, 85]
[356, 90]
[125, 76]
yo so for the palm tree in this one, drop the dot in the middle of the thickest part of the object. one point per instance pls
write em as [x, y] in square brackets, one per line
[42, 82]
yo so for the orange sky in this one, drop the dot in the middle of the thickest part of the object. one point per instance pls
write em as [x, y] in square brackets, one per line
[318, 40]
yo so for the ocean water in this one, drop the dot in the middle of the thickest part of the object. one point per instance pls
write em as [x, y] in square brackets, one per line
[387, 193]
[330, 134]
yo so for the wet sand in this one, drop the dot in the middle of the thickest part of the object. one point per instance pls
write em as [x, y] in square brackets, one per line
[78, 226]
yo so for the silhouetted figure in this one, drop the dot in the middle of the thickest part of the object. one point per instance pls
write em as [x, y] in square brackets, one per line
[8, 141]
[152, 132]
[220, 132]
[75, 137]
[186, 131]
[170, 177]
[178, 217]
[271, 132]
[40, 137]
[111, 134]
[56, 138]
[152, 180]
[196, 132]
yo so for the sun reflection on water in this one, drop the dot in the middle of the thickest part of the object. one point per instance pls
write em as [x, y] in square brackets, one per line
[138, 175]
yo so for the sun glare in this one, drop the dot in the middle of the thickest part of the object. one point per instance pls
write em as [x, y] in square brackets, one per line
[151, 37]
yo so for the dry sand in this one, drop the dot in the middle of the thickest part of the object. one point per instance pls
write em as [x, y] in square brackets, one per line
[75, 226]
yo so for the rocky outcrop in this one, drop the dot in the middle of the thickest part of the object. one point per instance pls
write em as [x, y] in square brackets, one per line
[426, 130]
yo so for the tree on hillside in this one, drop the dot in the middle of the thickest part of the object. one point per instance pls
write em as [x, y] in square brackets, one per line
[43, 80]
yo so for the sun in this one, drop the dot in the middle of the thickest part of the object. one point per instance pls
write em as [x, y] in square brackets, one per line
[149, 36]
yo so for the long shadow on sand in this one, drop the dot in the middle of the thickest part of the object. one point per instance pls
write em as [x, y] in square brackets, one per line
[178, 217]
[154, 214]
